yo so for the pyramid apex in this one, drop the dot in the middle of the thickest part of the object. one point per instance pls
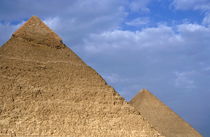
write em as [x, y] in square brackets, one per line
[142, 94]
[35, 30]
[145, 91]
[36, 17]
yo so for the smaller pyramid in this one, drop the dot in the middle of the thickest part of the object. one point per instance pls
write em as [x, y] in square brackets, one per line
[165, 120]
[36, 31]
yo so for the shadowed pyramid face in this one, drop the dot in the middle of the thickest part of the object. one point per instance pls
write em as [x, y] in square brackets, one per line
[50, 91]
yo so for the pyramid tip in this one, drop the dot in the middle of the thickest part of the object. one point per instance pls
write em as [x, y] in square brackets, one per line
[145, 91]
[33, 19]
[36, 30]
[34, 16]
[142, 93]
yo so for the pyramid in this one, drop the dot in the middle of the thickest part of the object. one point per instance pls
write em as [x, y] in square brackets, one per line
[166, 121]
[47, 90]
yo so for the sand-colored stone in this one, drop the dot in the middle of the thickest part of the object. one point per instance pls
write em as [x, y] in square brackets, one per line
[47, 90]
[166, 121]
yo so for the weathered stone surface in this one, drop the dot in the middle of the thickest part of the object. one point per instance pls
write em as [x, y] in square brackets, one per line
[49, 91]
[166, 121]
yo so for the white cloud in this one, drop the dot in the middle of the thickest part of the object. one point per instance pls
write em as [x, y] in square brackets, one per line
[160, 36]
[72, 20]
[139, 5]
[191, 27]
[206, 69]
[138, 21]
[18, 9]
[163, 36]
[194, 35]
[114, 78]
[206, 19]
[155, 53]
[75, 20]
[184, 79]
[53, 23]
[192, 4]
[6, 30]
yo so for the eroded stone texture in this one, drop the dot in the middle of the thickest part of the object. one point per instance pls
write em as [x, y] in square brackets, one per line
[165, 120]
[50, 91]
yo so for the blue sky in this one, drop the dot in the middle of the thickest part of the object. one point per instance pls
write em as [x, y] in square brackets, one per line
[161, 45]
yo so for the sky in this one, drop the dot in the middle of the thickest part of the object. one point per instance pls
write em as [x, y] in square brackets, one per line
[160, 45]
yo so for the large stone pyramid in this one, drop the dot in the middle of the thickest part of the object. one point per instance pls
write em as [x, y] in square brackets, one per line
[47, 90]
[166, 121]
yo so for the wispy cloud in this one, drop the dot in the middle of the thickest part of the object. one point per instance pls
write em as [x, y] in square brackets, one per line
[206, 19]
[184, 79]
[6, 30]
[192, 4]
[139, 21]
[139, 5]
